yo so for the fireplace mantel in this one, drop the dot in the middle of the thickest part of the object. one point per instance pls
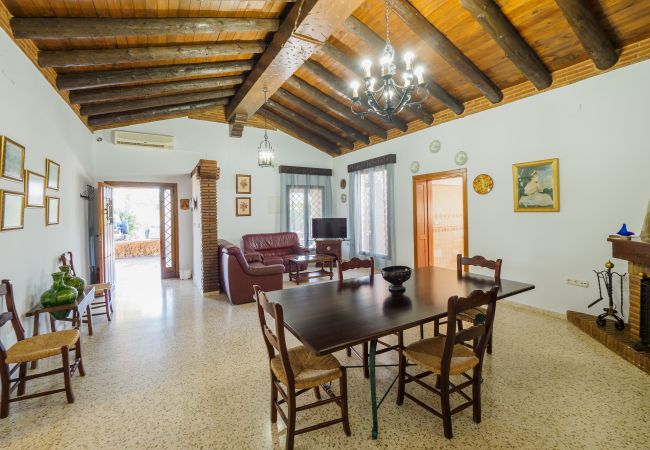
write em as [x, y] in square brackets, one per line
[634, 251]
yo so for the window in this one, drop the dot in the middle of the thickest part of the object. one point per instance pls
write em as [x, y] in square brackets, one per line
[373, 212]
[304, 203]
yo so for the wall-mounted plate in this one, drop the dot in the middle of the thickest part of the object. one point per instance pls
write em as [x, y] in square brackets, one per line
[415, 167]
[344, 198]
[483, 184]
[343, 183]
[460, 158]
[434, 146]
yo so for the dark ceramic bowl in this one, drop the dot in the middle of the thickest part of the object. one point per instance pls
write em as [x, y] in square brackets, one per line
[396, 275]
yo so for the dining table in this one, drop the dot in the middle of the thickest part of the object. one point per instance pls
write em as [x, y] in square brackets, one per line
[331, 316]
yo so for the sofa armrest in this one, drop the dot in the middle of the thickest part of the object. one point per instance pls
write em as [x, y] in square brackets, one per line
[259, 271]
[253, 257]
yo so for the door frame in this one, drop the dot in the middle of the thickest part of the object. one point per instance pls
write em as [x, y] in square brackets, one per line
[160, 186]
[462, 173]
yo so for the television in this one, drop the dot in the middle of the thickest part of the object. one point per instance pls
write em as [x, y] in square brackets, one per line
[331, 228]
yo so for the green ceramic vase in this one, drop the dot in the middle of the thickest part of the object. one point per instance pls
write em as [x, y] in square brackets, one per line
[76, 282]
[59, 294]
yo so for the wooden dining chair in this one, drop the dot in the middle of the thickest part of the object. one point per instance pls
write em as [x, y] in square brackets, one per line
[446, 356]
[103, 296]
[299, 371]
[471, 316]
[26, 350]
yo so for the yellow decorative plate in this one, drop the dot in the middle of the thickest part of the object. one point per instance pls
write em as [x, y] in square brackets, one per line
[483, 184]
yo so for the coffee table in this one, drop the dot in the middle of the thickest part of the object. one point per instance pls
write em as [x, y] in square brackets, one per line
[295, 274]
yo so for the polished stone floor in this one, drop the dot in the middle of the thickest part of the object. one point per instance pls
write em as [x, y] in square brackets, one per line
[176, 369]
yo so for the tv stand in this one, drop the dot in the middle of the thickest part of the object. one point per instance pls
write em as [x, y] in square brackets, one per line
[329, 247]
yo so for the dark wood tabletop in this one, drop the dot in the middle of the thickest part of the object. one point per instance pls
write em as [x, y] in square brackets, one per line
[331, 316]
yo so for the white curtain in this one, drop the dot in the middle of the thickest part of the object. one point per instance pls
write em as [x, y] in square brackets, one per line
[372, 214]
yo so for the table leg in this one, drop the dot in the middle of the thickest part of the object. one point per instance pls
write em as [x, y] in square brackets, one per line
[89, 319]
[297, 273]
[331, 271]
[35, 333]
[373, 387]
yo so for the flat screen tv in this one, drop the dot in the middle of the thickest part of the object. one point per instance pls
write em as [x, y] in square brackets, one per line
[331, 228]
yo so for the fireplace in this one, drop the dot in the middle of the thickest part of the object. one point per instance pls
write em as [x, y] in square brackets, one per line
[627, 343]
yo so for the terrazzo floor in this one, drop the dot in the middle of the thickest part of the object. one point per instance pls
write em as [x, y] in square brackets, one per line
[176, 369]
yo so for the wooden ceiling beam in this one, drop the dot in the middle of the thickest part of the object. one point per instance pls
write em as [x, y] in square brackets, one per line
[489, 15]
[446, 49]
[334, 106]
[308, 24]
[152, 90]
[590, 32]
[89, 80]
[153, 113]
[337, 85]
[95, 109]
[134, 55]
[444, 97]
[314, 112]
[297, 119]
[92, 27]
[303, 134]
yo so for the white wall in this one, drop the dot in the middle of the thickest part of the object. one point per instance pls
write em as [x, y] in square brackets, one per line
[194, 140]
[598, 130]
[32, 114]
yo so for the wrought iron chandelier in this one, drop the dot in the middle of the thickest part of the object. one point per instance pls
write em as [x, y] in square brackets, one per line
[265, 152]
[389, 97]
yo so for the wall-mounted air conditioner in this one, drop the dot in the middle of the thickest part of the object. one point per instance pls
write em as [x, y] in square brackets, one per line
[143, 139]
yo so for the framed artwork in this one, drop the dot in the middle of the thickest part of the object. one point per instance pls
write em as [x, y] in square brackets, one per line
[185, 204]
[52, 210]
[243, 206]
[243, 184]
[34, 190]
[12, 210]
[53, 174]
[12, 159]
[536, 186]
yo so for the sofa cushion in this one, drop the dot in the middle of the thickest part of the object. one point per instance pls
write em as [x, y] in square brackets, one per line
[268, 241]
[268, 260]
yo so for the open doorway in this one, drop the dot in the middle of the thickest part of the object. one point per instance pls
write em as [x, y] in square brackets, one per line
[138, 230]
[440, 218]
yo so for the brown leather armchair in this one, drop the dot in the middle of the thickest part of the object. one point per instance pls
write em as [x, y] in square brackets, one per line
[274, 248]
[239, 274]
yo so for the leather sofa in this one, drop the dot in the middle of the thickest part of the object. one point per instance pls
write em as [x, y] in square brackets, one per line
[274, 248]
[239, 274]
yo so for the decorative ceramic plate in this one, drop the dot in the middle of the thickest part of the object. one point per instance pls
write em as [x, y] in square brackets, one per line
[344, 198]
[343, 183]
[483, 184]
[434, 146]
[460, 158]
[415, 167]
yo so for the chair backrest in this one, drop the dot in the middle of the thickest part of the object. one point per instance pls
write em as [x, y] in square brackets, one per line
[480, 330]
[7, 297]
[66, 260]
[357, 263]
[274, 341]
[479, 261]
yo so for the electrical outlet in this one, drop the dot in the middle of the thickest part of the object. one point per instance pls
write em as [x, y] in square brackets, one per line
[578, 283]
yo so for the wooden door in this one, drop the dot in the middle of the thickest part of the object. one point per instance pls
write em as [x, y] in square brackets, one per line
[106, 244]
[440, 218]
[168, 232]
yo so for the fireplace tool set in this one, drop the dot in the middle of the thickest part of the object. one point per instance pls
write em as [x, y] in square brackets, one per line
[607, 277]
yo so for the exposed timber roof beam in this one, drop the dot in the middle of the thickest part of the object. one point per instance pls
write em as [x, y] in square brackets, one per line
[306, 27]
[497, 25]
[89, 80]
[136, 55]
[590, 32]
[446, 49]
[89, 28]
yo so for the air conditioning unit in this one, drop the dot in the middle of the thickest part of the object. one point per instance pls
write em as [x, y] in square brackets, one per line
[143, 139]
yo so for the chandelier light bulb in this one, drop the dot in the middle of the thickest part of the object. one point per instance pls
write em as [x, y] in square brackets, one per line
[419, 71]
[408, 59]
[366, 64]
[355, 89]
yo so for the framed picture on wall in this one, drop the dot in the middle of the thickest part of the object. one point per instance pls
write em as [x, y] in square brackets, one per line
[536, 186]
[12, 210]
[243, 184]
[12, 159]
[243, 206]
[53, 174]
[52, 210]
[34, 190]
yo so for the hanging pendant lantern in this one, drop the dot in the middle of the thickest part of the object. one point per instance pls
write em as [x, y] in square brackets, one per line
[265, 152]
